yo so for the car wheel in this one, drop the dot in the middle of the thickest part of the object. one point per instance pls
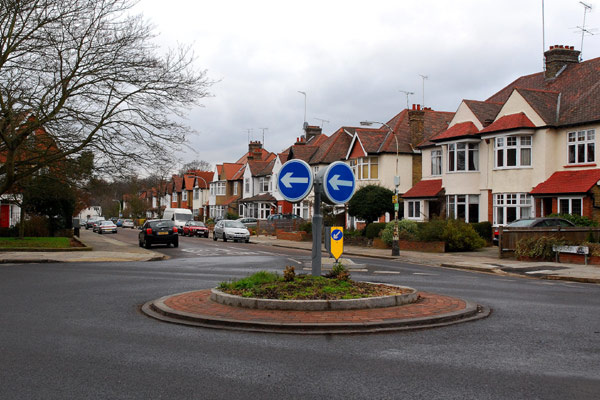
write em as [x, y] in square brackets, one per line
[224, 237]
[206, 235]
[147, 244]
[247, 240]
[214, 237]
[140, 243]
[176, 243]
[100, 232]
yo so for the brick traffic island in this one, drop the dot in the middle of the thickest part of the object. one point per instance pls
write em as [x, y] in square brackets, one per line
[414, 310]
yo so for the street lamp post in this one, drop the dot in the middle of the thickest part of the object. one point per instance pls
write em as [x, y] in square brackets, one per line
[395, 247]
[206, 184]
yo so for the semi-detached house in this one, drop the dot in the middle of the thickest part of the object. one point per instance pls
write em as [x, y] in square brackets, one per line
[528, 150]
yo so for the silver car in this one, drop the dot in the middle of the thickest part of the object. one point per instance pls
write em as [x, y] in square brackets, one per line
[228, 229]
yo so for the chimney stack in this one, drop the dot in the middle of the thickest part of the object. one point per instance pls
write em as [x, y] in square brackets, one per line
[311, 131]
[558, 57]
[416, 123]
[255, 150]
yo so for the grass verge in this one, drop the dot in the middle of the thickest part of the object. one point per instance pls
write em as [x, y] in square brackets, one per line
[35, 242]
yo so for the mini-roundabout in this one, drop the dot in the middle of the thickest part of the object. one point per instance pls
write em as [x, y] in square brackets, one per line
[388, 308]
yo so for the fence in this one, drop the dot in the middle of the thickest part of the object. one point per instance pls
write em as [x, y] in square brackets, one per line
[271, 227]
[508, 237]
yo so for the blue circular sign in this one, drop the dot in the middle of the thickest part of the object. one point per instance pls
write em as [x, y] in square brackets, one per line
[339, 183]
[337, 234]
[295, 180]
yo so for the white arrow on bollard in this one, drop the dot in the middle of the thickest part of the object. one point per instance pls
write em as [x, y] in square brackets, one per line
[335, 182]
[287, 180]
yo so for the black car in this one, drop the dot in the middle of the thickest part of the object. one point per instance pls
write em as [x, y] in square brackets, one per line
[158, 231]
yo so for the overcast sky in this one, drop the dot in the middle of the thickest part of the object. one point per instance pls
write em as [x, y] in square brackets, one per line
[353, 59]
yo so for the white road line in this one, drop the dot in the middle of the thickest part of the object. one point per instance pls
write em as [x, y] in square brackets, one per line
[424, 274]
[296, 261]
[387, 272]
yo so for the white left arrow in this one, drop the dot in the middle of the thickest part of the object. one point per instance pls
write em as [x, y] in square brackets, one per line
[335, 182]
[287, 180]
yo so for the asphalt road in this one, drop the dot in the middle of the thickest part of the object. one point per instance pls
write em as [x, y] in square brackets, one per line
[74, 331]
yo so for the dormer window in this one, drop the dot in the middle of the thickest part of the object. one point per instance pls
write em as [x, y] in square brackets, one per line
[263, 185]
[581, 147]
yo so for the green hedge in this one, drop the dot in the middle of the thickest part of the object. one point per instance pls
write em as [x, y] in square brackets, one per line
[484, 229]
[372, 230]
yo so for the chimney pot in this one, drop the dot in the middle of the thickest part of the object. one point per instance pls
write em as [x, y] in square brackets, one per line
[418, 107]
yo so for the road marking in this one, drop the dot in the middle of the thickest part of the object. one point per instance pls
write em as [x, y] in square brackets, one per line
[221, 251]
[387, 272]
[424, 274]
[542, 271]
[296, 261]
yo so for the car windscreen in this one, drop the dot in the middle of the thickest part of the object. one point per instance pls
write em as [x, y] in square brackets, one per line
[161, 224]
[195, 223]
[234, 224]
[183, 217]
[522, 223]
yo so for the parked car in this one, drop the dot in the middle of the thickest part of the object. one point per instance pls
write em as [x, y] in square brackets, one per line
[284, 217]
[128, 223]
[248, 222]
[107, 227]
[119, 223]
[228, 229]
[534, 223]
[158, 231]
[96, 224]
[195, 228]
[90, 222]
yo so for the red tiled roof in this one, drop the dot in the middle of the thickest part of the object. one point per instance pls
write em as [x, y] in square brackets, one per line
[177, 183]
[462, 129]
[424, 189]
[302, 152]
[334, 148]
[207, 177]
[231, 199]
[230, 170]
[433, 123]
[580, 181]
[508, 122]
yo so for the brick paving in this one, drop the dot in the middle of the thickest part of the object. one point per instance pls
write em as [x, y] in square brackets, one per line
[429, 305]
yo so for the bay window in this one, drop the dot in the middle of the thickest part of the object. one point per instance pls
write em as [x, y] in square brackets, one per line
[509, 207]
[463, 206]
[512, 151]
[581, 147]
[463, 156]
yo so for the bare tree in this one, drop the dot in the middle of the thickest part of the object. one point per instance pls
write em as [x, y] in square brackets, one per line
[85, 74]
[195, 165]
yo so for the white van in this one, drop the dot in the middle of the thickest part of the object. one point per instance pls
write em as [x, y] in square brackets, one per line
[179, 216]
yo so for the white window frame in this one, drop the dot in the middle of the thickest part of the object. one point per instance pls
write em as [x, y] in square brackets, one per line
[519, 144]
[570, 200]
[247, 185]
[184, 195]
[358, 165]
[471, 156]
[302, 209]
[220, 188]
[196, 193]
[413, 209]
[174, 197]
[235, 188]
[469, 199]
[263, 184]
[522, 203]
[581, 140]
[436, 162]
[264, 210]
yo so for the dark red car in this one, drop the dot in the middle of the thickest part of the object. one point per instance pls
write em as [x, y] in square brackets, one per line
[195, 228]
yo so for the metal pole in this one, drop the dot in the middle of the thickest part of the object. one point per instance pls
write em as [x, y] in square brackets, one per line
[317, 224]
